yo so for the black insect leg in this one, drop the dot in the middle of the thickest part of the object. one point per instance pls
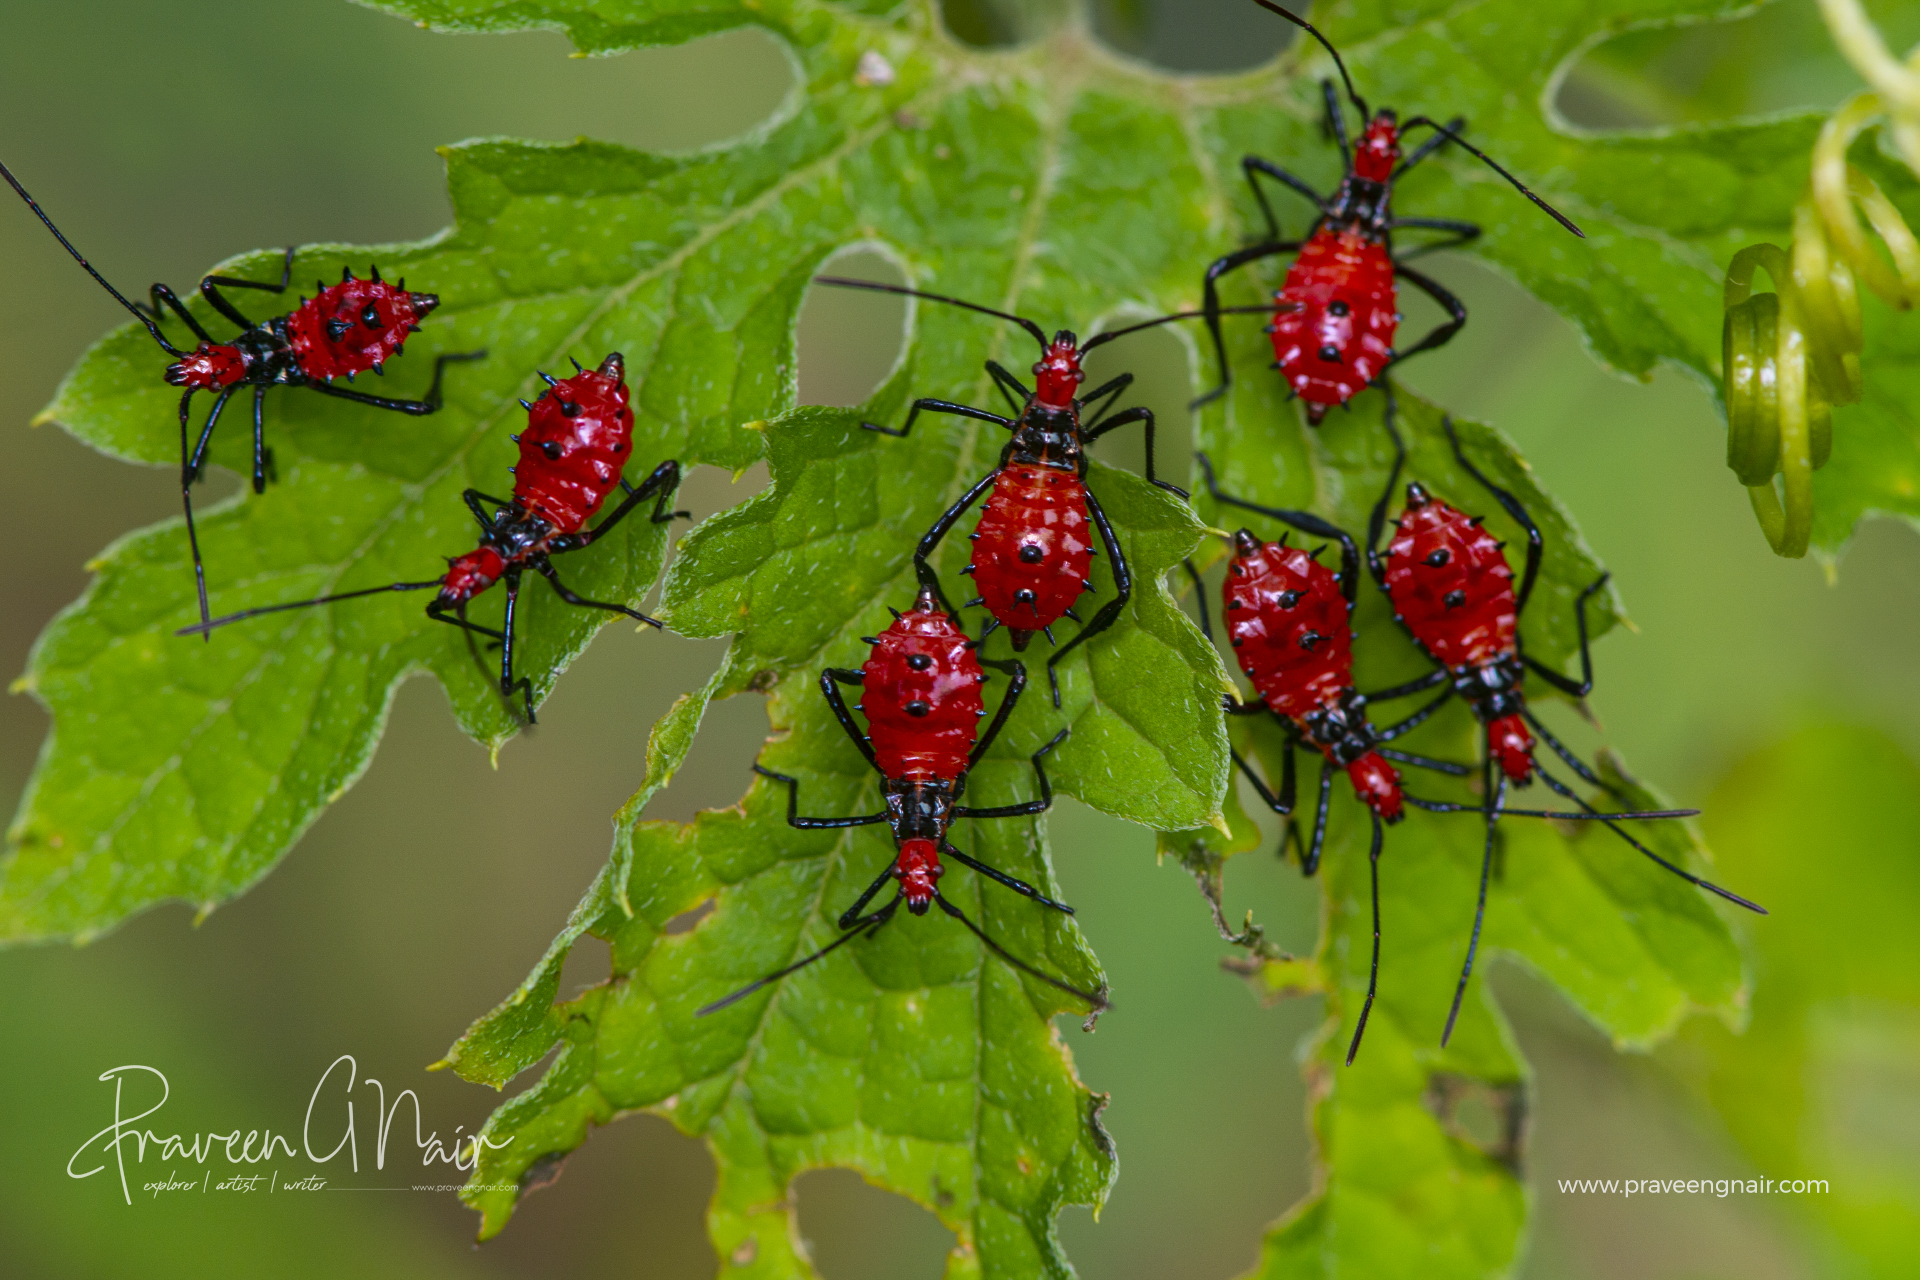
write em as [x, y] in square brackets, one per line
[187, 472]
[418, 408]
[1442, 333]
[1455, 126]
[931, 540]
[1282, 804]
[1141, 414]
[1499, 792]
[661, 485]
[1584, 685]
[473, 499]
[930, 405]
[581, 602]
[1031, 807]
[1421, 685]
[1210, 308]
[864, 926]
[1373, 973]
[1097, 1000]
[1377, 518]
[1310, 861]
[1122, 592]
[262, 458]
[1568, 793]
[1428, 762]
[1301, 520]
[1253, 167]
[829, 690]
[1413, 721]
[1107, 392]
[163, 296]
[210, 289]
[1458, 233]
[1016, 685]
[1000, 877]
[1011, 388]
[1535, 544]
[1335, 123]
[435, 610]
[813, 824]
[508, 685]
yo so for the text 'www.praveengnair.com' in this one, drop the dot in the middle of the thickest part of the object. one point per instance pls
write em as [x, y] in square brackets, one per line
[1721, 1187]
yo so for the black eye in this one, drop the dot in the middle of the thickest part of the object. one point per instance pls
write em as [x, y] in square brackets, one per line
[919, 661]
[1032, 554]
[917, 708]
[1438, 558]
[370, 317]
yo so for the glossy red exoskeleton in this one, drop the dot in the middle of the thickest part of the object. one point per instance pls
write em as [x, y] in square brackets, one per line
[578, 437]
[1452, 589]
[920, 691]
[1033, 545]
[1338, 309]
[348, 328]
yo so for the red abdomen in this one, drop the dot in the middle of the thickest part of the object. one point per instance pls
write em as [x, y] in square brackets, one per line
[1450, 584]
[1287, 623]
[579, 433]
[1340, 336]
[355, 325]
[921, 695]
[1031, 549]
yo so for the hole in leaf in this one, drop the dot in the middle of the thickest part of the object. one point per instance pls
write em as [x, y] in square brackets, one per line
[1769, 58]
[1193, 35]
[588, 964]
[1159, 361]
[1491, 1117]
[856, 1231]
[984, 24]
[687, 920]
[851, 339]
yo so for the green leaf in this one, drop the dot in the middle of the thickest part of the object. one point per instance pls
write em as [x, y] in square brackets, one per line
[1636, 949]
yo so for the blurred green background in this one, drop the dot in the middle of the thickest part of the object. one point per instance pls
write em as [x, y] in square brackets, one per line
[1781, 699]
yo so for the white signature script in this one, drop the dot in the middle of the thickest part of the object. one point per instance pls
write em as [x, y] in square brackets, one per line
[258, 1145]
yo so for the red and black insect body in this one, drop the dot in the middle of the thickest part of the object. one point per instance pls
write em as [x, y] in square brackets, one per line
[347, 328]
[922, 698]
[1033, 546]
[1338, 310]
[578, 438]
[1452, 589]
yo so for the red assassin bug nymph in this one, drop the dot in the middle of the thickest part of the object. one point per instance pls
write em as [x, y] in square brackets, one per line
[1333, 335]
[579, 433]
[1032, 548]
[346, 328]
[1289, 623]
[921, 695]
[1452, 589]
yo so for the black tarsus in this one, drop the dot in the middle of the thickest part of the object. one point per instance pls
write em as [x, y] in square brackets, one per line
[864, 926]
[1373, 973]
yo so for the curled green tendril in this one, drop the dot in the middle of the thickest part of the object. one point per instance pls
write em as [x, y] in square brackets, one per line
[1788, 357]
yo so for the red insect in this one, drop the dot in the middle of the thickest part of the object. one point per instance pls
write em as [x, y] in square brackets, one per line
[347, 328]
[921, 695]
[1289, 623]
[578, 437]
[1033, 546]
[1338, 310]
[1452, 589]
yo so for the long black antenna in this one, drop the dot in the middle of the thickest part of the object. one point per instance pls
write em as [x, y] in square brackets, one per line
[203, 627]
[864, 927]
[1263, 309]
[1457, 140]
[136, 312]
[1310, 29]
[846, 282]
